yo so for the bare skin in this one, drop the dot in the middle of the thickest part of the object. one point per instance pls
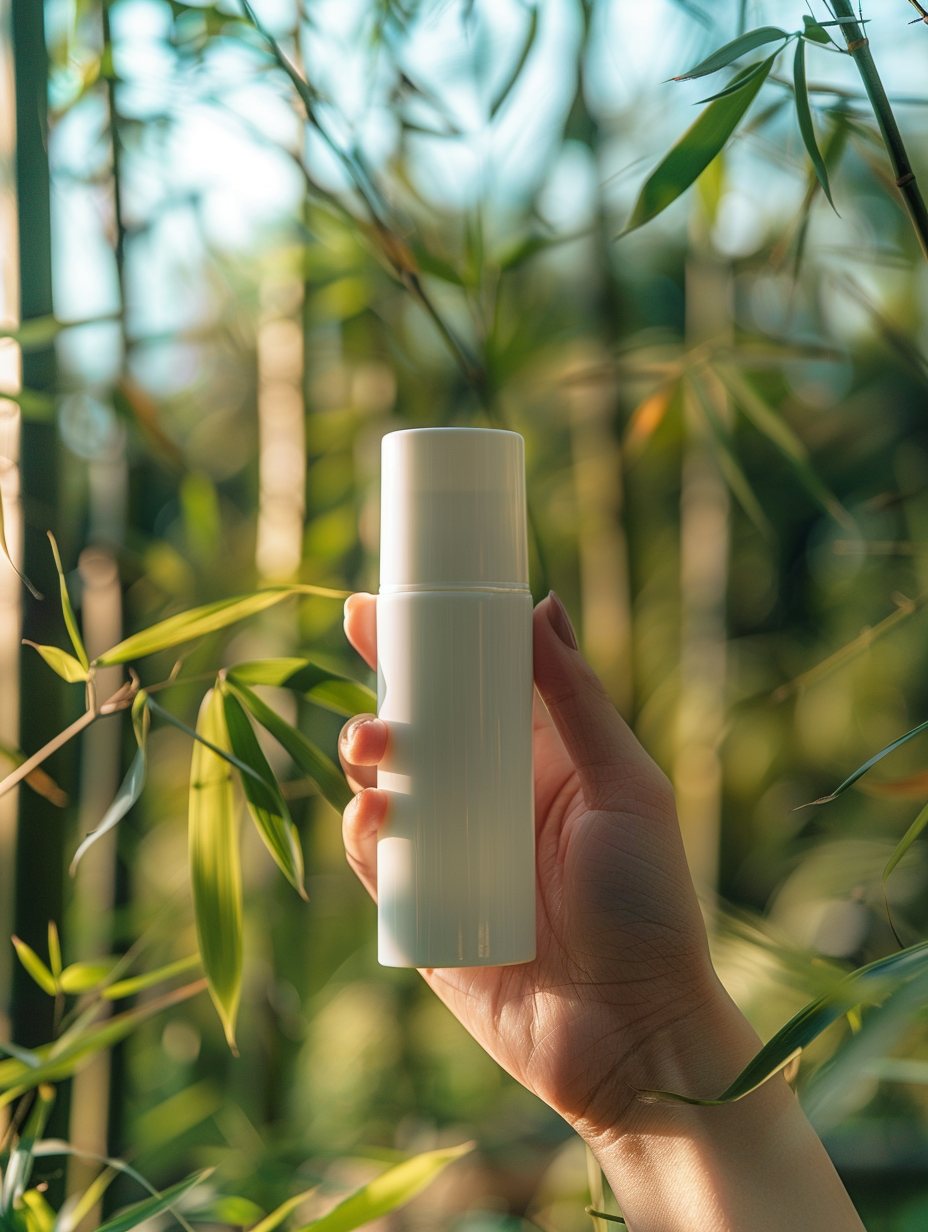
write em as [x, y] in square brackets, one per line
[622, 995]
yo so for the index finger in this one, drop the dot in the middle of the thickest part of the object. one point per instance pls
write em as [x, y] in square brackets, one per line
[361, 625]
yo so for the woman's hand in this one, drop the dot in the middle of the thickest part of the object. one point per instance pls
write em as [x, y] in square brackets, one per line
[623, 966]
[622, 995]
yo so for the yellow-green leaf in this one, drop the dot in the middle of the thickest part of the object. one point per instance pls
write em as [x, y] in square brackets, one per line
[317, 683]
[262, 793]
[128, 988]
[280, 1213]
[186, 626]
[82, 976]
[60, 661]
[54, 951]
[59, 1060]
[390, 1190]
[36, 968]
[66, 610]
[215, 869]
[311, 760]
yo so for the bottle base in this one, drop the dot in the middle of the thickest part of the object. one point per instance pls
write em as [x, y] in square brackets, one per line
[428, 964]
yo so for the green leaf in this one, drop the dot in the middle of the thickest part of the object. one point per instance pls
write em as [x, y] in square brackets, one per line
[215, 869]
[695, 150]
[82, 976]
[868, 765]
[277, 1216]
[186, 626]
[59, 1060]
[6, 552]
[516, 73]
[128, 988]
[388, 1191]
[317, 683]
[311, 760]
[66, 610]
[132, 784]
[782, 437]
[733, 51]
[804, 116]
[26, 1055]
[19, 1167]
[866, 986]
[914, 830]
[740, 79]
[36, 968]
[60, 661]
[813, 30]
[262, 793]
[132, 1216]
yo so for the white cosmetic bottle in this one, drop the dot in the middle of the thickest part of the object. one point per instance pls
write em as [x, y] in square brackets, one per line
[456, 856]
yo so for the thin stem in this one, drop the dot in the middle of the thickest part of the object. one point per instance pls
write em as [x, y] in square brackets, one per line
[859, 47]
[31, 763]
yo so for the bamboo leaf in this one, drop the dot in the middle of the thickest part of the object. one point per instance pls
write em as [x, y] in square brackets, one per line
[866, 986]
[36, 968]
[317, 683]
[67, 667]
[740, 79]
[868, 765]
[516, 73]
[215, 869]
[59, 1061]
[733, 51]
[812, 29]
[6, 552]
[147, 1209]
[128, 988]
[262, 793]
[788, 444]
[54, 952]
[311, 760]
[280, 1213]
[26, 1055]
[132, 784]
[82, 976]
[388, 1191]
[186, 626]
[66, 610]
[19, 1167]
[226, 755]
[804, 116]
[40, 782]
[913, 832]
[695, 150]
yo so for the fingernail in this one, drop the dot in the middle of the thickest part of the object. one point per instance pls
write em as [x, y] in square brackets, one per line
[352, 728]
[560, 621]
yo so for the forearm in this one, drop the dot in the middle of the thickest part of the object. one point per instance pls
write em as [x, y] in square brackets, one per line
[745, 1167]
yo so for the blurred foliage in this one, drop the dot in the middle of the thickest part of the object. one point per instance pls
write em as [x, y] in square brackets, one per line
[295, 227]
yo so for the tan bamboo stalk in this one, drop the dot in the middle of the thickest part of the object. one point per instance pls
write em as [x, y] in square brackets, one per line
[94, 890]
[704, 545]
[10, 614]
[601, 540]
[281, 433]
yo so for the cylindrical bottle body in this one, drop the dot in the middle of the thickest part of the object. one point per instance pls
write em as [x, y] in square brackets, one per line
[455, 861]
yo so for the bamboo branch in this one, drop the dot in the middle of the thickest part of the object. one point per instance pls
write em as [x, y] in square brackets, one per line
[859, 47]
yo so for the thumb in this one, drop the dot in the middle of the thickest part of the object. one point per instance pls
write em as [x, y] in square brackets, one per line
[613, 768]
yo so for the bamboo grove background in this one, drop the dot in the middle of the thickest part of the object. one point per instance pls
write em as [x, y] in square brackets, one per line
[223, 293]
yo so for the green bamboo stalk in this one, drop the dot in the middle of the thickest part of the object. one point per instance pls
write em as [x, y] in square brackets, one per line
[859, 47]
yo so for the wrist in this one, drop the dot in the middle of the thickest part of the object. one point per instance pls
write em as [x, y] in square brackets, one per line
[698, 1053]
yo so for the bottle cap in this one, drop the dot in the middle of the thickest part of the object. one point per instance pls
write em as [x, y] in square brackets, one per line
[453, 509]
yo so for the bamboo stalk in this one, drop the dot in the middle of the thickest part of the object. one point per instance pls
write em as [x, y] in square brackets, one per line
[859, 47]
